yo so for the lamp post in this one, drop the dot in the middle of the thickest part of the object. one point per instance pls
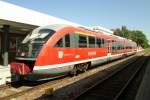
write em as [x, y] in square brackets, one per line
[5, 46]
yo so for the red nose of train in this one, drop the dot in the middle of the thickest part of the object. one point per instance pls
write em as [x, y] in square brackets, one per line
[20, 68]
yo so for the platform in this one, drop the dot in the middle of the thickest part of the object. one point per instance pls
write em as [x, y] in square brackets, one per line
[144, 90]
[5, 75]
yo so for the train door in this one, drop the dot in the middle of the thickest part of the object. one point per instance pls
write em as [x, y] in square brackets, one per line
[74, 38]
[109, 46]
[0, 48]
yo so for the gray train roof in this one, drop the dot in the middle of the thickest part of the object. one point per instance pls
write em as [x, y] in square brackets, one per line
[57, 27]
[54, 27]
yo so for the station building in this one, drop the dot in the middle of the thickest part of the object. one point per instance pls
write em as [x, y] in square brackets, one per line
[15, 23]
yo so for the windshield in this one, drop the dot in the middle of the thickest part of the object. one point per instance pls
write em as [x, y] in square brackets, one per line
[39, 35]
[29, 50]
[32, 44]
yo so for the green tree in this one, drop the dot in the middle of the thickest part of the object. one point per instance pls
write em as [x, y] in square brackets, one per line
[138, 36]
[118, 32]
[123, 32]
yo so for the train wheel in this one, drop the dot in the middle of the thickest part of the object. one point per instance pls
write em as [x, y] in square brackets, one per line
[74, 71]
[85, 67]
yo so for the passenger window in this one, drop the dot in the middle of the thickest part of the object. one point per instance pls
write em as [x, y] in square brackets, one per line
[91, 42]
[59, 43]
[67, 40]
[82, 41]
[103, 43]
[98, 42]
[113, 45]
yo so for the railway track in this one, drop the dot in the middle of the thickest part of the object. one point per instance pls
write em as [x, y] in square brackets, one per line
[32, 90]
[114, 86]
[15, 89]
[72, 90]
[130, 92]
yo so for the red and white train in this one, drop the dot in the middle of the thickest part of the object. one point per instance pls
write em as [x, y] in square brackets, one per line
[56, 50]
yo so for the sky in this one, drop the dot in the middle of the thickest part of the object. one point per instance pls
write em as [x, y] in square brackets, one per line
[111, 14]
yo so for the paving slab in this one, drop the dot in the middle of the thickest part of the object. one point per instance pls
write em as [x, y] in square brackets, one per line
[5, 75]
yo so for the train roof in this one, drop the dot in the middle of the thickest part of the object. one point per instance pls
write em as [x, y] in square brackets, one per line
[105, 32]
[101, 29]
[54, 27]
[57, 27]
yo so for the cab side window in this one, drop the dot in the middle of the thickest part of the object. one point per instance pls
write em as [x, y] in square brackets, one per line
[59, 43]
[67, 40]
[63, 42]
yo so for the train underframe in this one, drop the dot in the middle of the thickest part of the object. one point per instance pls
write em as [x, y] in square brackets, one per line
[25, 69]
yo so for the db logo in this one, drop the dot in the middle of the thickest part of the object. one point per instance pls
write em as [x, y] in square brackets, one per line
[60, 54]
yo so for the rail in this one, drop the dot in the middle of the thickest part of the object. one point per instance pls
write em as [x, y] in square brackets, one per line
[112, 86]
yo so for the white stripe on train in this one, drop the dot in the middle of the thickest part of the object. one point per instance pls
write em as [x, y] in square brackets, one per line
[77, 62]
